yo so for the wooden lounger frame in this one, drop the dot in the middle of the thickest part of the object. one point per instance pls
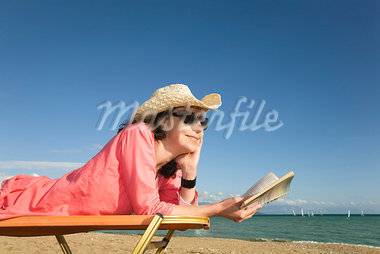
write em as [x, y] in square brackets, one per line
[62, 225]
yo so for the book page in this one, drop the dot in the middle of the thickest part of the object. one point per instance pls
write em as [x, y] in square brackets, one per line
[261, 185]
[277, 189]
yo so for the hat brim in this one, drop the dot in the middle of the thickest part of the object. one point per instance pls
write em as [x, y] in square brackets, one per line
[159, 103]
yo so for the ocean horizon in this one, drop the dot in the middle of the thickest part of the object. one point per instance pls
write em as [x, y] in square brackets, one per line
[328, 228]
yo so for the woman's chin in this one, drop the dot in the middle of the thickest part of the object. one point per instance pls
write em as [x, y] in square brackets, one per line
[190, 148]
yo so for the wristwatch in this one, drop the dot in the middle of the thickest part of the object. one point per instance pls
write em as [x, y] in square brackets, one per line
[188, 183]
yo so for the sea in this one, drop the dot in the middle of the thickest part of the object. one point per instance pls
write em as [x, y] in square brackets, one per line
[333, 228]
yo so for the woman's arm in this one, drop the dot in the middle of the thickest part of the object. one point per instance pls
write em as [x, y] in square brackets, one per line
[188, 164]
[228, 208]
[137, 168]
[188, 194]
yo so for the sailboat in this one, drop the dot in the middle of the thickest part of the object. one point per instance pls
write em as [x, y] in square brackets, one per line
[362, 213]
[320, 211]
[294, 213]
[312, 213]
[348, 214]
[302, 212]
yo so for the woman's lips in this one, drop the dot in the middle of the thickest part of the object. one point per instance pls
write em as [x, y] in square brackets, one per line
[193, 138]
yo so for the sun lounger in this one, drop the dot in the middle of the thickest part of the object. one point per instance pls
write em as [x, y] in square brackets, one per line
[62, 225]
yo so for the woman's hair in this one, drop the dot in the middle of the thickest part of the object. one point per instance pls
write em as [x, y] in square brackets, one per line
[155, 120]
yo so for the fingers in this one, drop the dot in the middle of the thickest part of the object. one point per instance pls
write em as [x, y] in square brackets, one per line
[238, 200]
[200, 143]
[248, 213]
[255, 208]
[233, 212]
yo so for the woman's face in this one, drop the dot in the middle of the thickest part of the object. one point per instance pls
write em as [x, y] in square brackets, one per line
[182, 137]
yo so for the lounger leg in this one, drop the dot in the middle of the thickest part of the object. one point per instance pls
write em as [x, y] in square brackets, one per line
[148, 234]
[64, 246]
[166, 239]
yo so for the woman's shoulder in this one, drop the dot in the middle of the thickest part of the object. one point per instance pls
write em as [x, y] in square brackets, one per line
[139, 129]
[139, 126]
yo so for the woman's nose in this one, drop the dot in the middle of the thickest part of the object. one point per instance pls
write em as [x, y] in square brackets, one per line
[197, 127]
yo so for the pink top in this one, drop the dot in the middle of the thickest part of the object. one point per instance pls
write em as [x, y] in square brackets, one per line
[121, 179]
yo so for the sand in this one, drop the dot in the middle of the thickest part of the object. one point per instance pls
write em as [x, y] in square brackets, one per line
[110, 243]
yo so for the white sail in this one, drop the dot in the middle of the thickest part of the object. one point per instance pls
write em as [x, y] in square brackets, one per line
[362, 213]
[302, 212]
[294, 213]
[348, 214]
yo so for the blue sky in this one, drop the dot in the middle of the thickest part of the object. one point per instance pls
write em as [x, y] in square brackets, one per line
[314, 62]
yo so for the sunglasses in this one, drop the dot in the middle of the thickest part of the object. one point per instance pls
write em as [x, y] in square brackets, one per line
[192, 119]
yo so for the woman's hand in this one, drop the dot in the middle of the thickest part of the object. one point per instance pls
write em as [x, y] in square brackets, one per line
[188, 162]
[231, 209]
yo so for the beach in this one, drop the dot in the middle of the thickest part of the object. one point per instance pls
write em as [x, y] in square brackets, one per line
[114, 243]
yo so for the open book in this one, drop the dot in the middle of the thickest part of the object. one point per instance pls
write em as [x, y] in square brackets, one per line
[268, 189]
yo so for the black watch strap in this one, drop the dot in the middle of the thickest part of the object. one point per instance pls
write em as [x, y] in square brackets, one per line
[188, 183]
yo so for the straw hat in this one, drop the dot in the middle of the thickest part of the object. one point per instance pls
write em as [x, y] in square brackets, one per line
[175, 95]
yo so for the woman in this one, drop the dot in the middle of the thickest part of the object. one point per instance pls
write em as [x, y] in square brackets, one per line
[137, 171]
